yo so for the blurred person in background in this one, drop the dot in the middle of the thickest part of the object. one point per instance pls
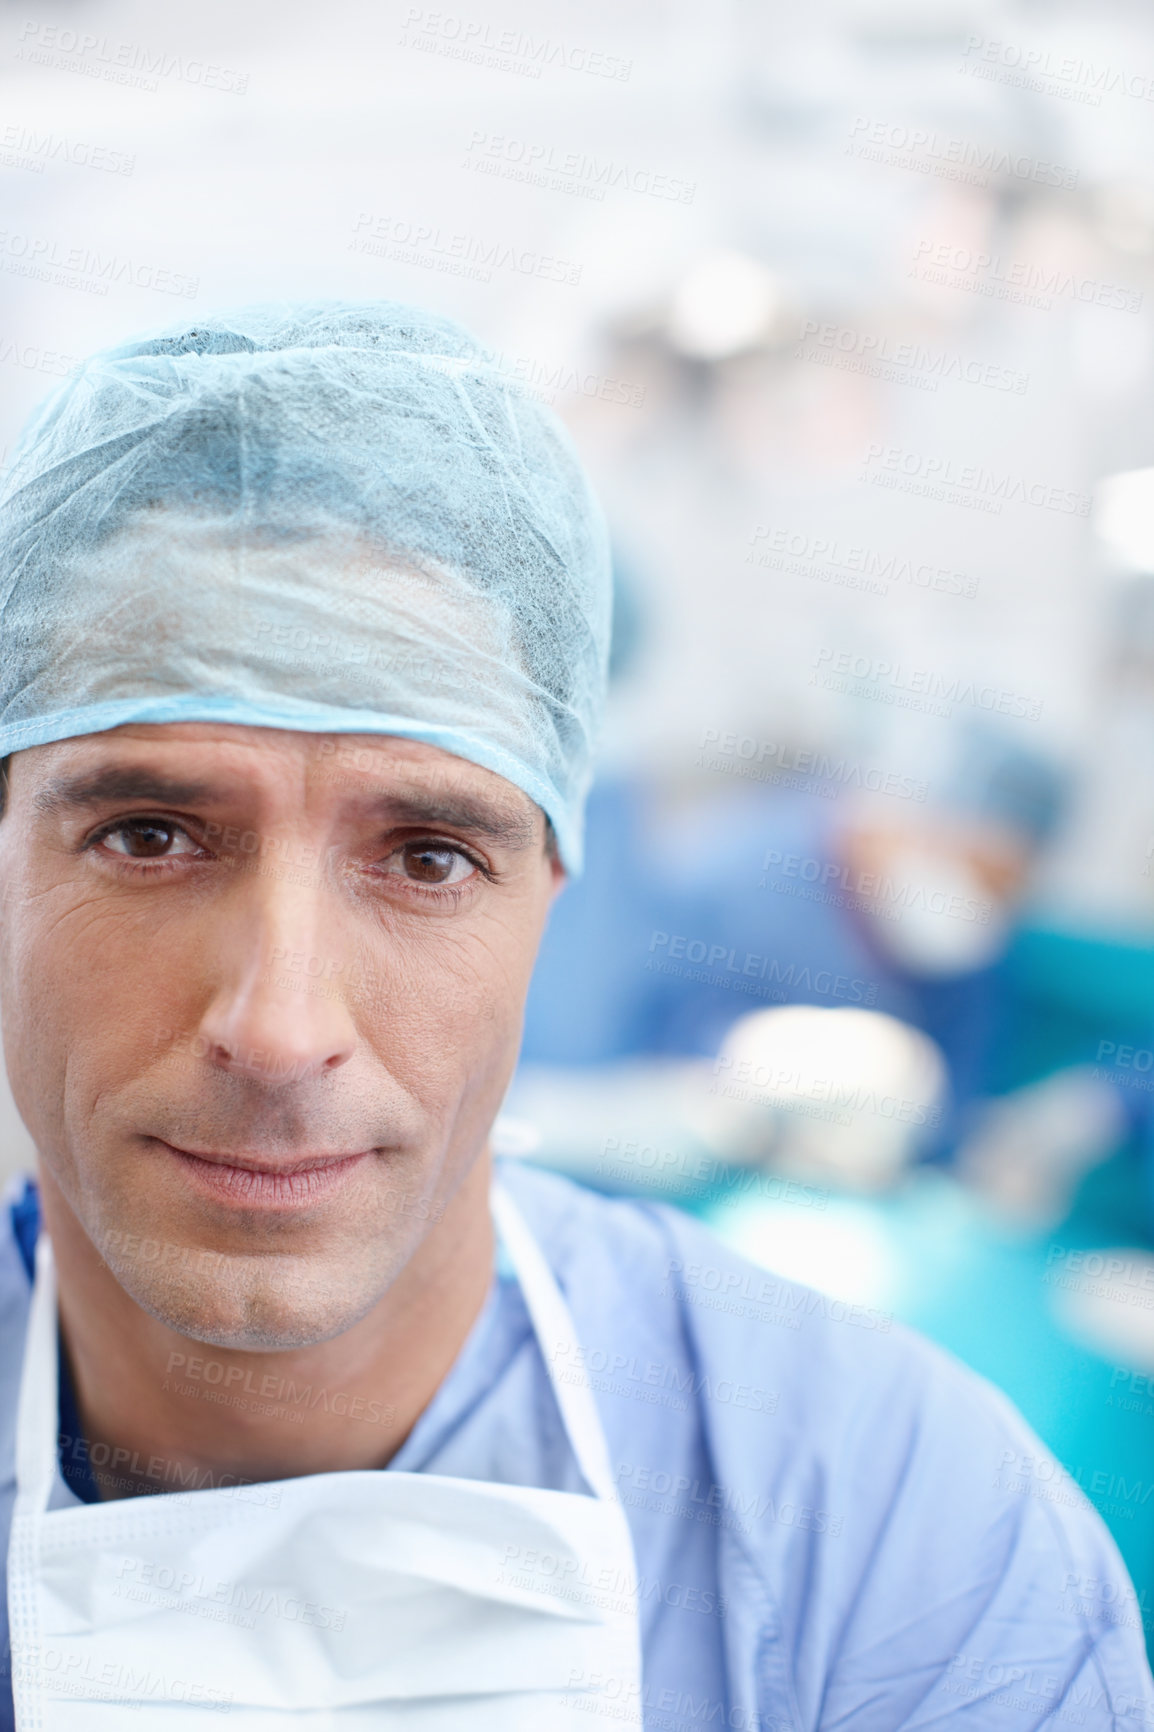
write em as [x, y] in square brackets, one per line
[905, 906]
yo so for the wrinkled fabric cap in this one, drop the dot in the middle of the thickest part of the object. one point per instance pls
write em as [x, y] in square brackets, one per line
[333, 517]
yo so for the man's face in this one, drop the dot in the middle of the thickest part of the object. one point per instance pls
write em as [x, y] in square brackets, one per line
[262, 996]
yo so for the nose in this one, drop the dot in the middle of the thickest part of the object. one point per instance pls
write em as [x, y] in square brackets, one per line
[277, 1012]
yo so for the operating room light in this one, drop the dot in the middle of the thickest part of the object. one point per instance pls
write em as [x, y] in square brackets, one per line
[1124, 517]
[726, 304]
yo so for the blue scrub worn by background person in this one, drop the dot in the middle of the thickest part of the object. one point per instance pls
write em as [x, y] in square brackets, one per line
[620, 975]
[590, 999]
[835, 1525]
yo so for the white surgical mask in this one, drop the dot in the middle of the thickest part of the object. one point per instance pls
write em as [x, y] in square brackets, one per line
[941, 919]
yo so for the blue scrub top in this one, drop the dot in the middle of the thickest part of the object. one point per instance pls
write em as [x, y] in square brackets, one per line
[836, 1525]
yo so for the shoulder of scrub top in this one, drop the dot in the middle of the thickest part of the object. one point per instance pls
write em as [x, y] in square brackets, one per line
[660, 1277]
[843, 1447]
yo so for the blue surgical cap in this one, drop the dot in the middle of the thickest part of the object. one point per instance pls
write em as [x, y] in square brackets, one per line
[334, 517]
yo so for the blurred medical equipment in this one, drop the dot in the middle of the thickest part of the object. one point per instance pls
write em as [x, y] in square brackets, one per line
[1029, 1149]
[843, 1097]
[1105, 1297]
[831, 1096]
[250, 519]
[627, 1127]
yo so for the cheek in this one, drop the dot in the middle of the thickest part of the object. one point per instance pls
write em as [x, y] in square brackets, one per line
[105, 954]
[84, 986]
[445, 1005]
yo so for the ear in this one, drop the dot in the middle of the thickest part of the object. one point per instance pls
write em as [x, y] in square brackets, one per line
[560, 879]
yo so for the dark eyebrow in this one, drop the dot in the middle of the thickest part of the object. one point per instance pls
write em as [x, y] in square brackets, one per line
[457, 812]
[115, 783]
[148, 787]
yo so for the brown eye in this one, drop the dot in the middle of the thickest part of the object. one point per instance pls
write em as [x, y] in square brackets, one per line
[145, 839]
[430, 863]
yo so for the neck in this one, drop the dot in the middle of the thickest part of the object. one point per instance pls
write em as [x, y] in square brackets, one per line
[160, 1411]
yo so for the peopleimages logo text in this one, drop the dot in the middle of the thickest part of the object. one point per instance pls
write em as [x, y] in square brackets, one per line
[476, 40]
[955, 158]
[759, 967]
[802, 554]
[874, 675]
[1037, 64]
[50, 260]
[103, 57]
[997, 487]
[1026, 280]
[821, 340]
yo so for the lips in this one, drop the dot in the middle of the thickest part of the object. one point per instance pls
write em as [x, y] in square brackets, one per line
[256, 1182]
